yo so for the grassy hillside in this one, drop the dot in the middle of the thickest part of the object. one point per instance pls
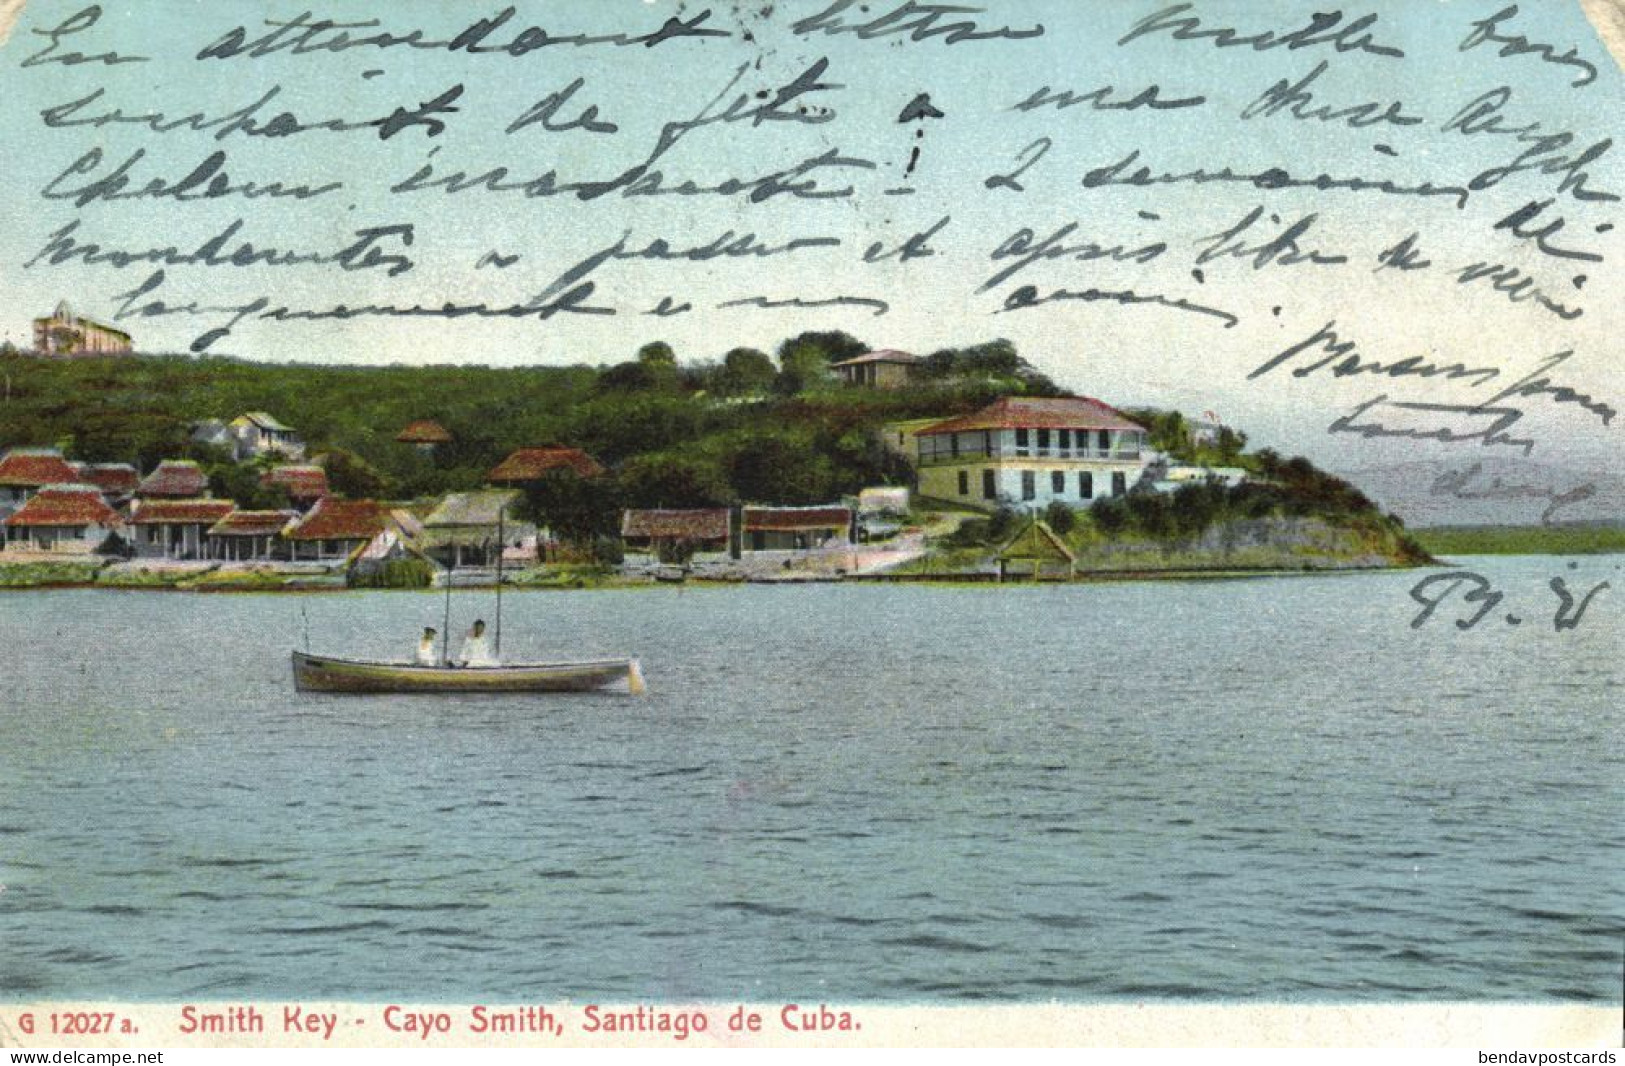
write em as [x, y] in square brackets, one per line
[680, 435]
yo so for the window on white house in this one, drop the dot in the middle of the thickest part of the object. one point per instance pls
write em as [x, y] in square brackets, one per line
[964, 482]
[1086, 485]
[990, 486]
[1029, 485]
[1057, 482]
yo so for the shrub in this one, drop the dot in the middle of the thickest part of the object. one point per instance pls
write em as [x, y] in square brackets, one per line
[1003, 524]
[411, 573]
[1109, 515]
[1061, 518]
[972, 533]
[608, 551]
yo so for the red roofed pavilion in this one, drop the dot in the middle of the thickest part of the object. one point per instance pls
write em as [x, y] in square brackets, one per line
[531, 464]
[304, 484]
[703, 530]
[335, 529]
[175, 479]
[118, 481]
[62, 518]
[24, 471]
[425, 433]
[175, 529]
[795, 528]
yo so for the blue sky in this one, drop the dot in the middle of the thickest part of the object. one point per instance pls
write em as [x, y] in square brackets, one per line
[1140, 354]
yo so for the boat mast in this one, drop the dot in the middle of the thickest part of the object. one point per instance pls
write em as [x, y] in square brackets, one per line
[445, 631]
[501, 545]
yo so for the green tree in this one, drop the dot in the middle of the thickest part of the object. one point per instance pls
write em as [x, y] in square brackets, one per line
[1110, 516]
[1061, 518]
[745, 372]
[780, 468]
[576, 509]
[805, 358]
[674, 481]
[1004, 523]
[350, 475]
[242, 482]
[657, 353]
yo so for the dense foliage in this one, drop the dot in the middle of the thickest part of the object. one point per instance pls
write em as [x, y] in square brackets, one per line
[410, 573]
[1169, 432]
[1279, 488]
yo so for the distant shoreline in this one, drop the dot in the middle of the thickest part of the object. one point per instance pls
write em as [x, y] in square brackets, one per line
[17, 578]
[1521, 540]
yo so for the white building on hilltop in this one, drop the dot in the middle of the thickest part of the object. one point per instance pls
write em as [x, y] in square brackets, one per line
[1030, 452]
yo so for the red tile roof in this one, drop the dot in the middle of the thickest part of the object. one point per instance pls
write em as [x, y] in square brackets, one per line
[180, 478]
[33, 467]
[424, 431]
[706, 524]
[302, 482]
[887, 356]
[252, 523]
[336, 519]
[182, 512]
[65, 505]
[791, 518]
[1015, 412]
[529, 464]
[117, 479]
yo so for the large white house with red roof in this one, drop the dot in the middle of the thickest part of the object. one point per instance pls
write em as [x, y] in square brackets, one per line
[1030, 452]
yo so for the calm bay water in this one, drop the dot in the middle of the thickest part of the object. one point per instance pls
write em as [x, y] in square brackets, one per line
[1246, 790]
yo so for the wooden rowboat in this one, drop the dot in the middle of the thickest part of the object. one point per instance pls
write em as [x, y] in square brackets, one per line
[320, 673]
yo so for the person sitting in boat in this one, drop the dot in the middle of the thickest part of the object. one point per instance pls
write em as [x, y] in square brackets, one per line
[426, 655]
[476, 651]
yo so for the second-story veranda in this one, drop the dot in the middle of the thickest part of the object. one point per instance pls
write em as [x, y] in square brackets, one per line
[1075, 428]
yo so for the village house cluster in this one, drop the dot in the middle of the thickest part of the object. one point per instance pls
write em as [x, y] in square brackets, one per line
[1025, 453]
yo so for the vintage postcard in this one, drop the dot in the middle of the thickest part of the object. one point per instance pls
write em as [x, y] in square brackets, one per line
[815, 523]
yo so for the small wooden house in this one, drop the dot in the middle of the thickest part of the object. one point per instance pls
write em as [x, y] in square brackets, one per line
[176, 529]
[248, 536]
[470, 528]
[174, 479]
[25, 471]
[62, 519]
[796, 528]
[304, 484]
[334, 530]
[676, 535]
[117, 481]
[258, 433]
[878, 370]
[425, 435]
[532, 464]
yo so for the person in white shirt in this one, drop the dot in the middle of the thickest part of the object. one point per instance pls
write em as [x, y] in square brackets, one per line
[426, 655]
[476, 652]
